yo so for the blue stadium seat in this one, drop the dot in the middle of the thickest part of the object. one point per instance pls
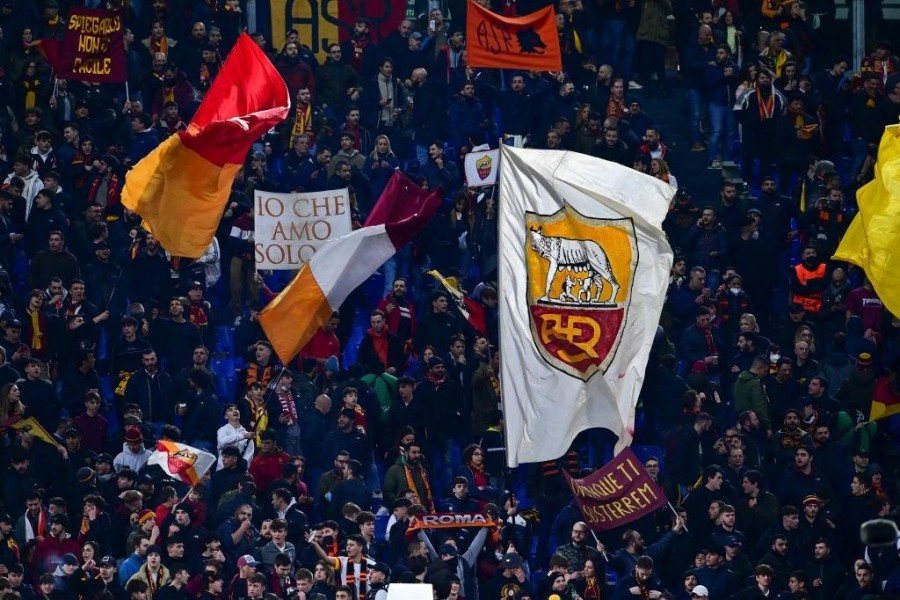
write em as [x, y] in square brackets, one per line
[225, 372]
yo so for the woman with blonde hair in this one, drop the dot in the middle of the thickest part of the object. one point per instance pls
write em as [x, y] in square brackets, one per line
[748, 322]
[380, 166]
[805, 333]
[660, 169]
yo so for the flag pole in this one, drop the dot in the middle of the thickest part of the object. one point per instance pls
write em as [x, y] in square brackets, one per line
[596, 541]
[677, 516]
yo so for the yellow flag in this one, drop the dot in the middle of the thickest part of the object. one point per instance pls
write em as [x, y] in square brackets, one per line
[30, 425]
[871, 241]
[451, 284]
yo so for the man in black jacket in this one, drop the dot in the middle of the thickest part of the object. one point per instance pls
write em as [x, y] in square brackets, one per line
[152, 390]
[380, 351]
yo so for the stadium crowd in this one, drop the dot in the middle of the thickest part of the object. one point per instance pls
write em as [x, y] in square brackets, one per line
[755, 414]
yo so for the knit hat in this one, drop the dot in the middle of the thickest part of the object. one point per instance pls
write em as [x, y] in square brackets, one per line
[84, 475]
[146, 515]
[812, 499]
[435, 361]
[69, 559]
[864, 360]
[133, 434]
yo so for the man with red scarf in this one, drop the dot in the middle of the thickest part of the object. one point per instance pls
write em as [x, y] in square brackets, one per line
[380, 351]
[761, 112]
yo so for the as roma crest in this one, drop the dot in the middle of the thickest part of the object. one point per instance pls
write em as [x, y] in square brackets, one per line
[181, 461]
[483, 166]
[580, 273]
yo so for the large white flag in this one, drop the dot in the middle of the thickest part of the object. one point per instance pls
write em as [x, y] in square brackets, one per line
[584, 266]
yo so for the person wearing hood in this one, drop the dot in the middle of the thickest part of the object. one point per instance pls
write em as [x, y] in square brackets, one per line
[449, 565]
[836, 366]
[380, 351]
[856, 392]
[30, 178]
[53, 547]
[64, 575]
[133, 455]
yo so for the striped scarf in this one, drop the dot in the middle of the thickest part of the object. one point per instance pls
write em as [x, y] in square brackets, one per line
[350, 580]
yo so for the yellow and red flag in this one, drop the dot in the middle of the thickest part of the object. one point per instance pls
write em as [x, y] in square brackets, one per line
[182, 462]
[871, 239]
[181, 188]
[885, 400]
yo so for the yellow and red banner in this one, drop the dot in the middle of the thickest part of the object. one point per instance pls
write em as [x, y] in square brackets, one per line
[530, 42]
[182, 462]
[324, 22]
[181, 188]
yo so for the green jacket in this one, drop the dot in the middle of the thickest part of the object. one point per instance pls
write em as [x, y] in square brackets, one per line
[750, 394]
[395, 481]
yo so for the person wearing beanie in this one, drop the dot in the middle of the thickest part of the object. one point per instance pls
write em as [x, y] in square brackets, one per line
[442, 397]
[133, 455]
[147, 526]
[347, 437]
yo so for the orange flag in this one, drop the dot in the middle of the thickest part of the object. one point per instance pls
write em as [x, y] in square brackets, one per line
[528, 42]
[181, 188]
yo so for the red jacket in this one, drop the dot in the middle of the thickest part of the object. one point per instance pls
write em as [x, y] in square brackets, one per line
[266, 468]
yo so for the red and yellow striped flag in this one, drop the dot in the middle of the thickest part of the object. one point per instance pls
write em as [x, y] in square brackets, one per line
[181, 188]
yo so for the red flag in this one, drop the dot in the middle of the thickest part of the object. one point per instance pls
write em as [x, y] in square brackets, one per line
[530, 42]
[399, 196]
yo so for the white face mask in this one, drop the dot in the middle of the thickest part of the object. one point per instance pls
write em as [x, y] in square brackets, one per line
[774, 357]
[735, 291]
